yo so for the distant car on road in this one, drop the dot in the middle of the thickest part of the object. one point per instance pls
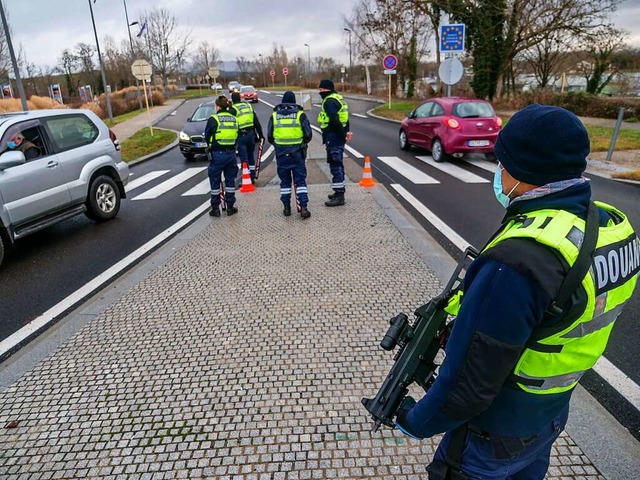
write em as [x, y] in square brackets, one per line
[248, 93]
[451, 126]
[72, 166]
[234, 86]
[216, 86]
[191, 138]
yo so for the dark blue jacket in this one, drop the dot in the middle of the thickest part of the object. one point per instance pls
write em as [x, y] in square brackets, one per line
[335, 134]
[506, 293]
[307, 133]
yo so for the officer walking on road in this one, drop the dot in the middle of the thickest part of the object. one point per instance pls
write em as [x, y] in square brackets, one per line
[333, 119]
[289, 131]
[249, 132]
[538, 308]
[221, 133]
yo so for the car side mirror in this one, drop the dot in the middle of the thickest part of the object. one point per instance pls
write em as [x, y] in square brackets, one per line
[11, 158]
[411, 114]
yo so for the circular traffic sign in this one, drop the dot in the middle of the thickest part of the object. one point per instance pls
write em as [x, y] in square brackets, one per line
[390, 62]
[272, 73]
[285, 71]
[141, 69]
[450, 71]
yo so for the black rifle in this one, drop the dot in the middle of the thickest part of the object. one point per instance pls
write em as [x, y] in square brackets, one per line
[419, 344]
[259, 158]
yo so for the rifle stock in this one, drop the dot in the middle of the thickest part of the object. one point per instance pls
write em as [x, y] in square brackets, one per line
[419, 344]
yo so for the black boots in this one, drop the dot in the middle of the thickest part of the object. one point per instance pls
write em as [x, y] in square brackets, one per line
[214, 212]
[231, 211]
[287, 210]
[304, 213]
[337, 199]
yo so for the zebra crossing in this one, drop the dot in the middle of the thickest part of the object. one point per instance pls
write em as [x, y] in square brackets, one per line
[413, 174]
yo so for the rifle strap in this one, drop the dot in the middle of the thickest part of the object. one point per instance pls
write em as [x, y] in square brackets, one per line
[456, 447]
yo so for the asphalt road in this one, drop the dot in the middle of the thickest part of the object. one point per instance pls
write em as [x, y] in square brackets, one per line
[48, 266]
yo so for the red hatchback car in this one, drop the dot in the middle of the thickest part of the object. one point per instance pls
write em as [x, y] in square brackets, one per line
[248, 93]
[451, 126]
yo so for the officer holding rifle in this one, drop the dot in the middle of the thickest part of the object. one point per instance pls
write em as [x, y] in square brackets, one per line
[538, 307]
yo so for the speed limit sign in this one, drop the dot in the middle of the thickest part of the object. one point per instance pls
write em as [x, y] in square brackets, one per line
[272, 73]
[285, 71]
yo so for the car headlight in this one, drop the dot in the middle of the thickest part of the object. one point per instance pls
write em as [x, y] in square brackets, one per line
[184, 137]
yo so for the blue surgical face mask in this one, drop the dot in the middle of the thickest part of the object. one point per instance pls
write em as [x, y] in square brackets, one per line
[11, 145]
[503, 199]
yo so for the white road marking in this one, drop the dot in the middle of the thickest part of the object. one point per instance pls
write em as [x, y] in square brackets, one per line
[202, 188]
[266, 154]
[173, 113]
[173, 182]
[317, 105]
[411, 173]
[144, 179]
[266, 103]
[432, 218]
[39, 322]
[359, 115]
[484, 164]
[453, 170]
[264, 91]
[618, 380]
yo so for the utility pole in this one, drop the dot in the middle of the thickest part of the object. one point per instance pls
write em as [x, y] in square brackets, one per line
[309, 61]
[350, 85]
[104, 76]
[133, 55]
[14, 63]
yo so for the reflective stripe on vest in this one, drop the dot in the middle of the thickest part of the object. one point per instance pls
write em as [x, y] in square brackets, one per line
[563, 352]
[227, 131]
[343, 113]
[287, 128]
[244, 116]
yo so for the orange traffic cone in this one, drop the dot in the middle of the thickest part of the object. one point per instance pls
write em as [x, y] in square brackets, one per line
[247, 186]
[367, 179]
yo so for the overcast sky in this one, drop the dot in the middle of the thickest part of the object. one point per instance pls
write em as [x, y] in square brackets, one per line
[237, 28]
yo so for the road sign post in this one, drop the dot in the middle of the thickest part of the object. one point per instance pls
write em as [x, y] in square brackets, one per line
[285, 72]
[450, 72]
[390, 62]
[273, 78]
[452, 38]
[141, 69]
[214, 72]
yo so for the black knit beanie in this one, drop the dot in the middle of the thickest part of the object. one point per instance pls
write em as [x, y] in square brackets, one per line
[326, 83]
[543, 144]
[289, 97]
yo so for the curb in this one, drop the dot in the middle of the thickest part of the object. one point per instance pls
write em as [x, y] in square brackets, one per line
[157, 152]
[391, 120]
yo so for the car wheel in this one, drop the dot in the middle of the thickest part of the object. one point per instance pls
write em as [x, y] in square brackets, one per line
[103, 202]
[437, 151]
[189, 157]
[402, 140]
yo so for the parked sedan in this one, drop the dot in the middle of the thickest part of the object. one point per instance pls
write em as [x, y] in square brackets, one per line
[248, 93]
[191, 140]
[451, 126]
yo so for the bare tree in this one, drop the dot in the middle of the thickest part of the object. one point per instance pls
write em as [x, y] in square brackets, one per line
[165, 42]
[599, 67]
[84, 53]
[546, 58]
[68, 63]
[205, 56]
[391, 26]
[244, 67]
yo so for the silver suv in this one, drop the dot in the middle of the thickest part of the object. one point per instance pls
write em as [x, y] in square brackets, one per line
[55, 164]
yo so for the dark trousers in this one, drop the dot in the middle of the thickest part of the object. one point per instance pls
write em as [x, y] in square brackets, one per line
[292, 165]
[246, 151]
[223, 162]
[335, 156]
[501, 458]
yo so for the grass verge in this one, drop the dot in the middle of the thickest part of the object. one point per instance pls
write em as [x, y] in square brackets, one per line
[142, 143]
[126, 116]
[600, 136]
[628, 175]
[282, 88]
[197, 93]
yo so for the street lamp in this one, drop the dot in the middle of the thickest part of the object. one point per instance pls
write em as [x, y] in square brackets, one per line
[347, 30]
[309, 65]
[16, 71]
[104, 77]
[126, 14]
[264, 78]
[150, 58]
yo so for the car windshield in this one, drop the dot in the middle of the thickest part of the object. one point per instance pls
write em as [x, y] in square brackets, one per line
[202, 113]
[473, 110]
[248, 89]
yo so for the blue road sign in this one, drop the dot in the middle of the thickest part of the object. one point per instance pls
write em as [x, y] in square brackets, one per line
[390, 62]
[452, 38]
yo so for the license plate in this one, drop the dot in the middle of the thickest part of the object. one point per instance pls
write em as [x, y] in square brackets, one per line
[478, 143]
[201, 144]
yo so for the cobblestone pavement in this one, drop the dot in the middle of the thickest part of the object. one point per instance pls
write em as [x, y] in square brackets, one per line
[244, 356]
